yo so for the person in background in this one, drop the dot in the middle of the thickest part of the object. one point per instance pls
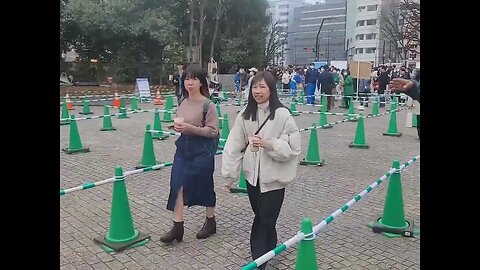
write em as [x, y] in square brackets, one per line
[311, 81]
[177, 82]
[348, 90]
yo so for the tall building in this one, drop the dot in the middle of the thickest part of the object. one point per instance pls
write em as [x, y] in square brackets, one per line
[365, 40]
[282, 12]
[327, 16]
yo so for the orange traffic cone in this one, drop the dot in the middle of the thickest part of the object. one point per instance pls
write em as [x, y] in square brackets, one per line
[116, 101]
[69, 102]
[158, 100]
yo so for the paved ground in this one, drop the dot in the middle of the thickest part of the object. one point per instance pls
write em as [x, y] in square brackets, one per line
[346, 243]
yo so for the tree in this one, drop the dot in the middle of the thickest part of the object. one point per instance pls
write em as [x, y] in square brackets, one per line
[400, 27]
[410, 11]
[220, 9]
[276, 39]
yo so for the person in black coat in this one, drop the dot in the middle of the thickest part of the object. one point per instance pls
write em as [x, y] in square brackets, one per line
[327, 83]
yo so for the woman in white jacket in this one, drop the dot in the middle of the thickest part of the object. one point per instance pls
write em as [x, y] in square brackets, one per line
[269, 159]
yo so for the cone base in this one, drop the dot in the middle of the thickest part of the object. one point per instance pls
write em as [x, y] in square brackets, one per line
[343, 107]
[144, 166]
[312, 163]
[295, 114]
[238, 190]
[393, 232]
[72, 151]
[111, 247]
[354, 145]
[370, 114]
[166, 121]
[122, 117]
[64, 123]
[108, 129]
[392, 134]
[85, 113]
[353, 120]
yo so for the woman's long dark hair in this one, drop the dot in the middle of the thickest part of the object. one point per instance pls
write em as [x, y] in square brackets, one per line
[274, 103]
[195, 72]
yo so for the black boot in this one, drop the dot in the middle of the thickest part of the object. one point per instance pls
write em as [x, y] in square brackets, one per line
[209, 228]
[176, 232]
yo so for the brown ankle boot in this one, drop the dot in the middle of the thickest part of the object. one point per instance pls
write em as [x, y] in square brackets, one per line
[176, 232]
[209, 228]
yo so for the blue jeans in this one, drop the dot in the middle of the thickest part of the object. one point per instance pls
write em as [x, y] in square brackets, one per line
[310, 93]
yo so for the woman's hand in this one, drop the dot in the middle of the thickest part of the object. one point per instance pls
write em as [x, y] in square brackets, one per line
[257, 141]
[181, 127]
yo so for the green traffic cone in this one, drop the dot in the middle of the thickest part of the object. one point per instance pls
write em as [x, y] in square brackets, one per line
[148, 155]
[86, 107]
[134, 104]
[219, 113]
[224, 96]
[157, 126]
[359, 141]
[122, 110]
[393, 104]
[242, 184]
[313, 154]
[65, 115]
[225, 132]
[375, 107]
[306, 255]
[107, 120]
[393, 222]
[323, 118]
[75, 144]
[167, 117]
[351, 110]
[293, 108]
[323, 100]
[169, 103]
[392, 126]
[301, 97]
[122, 234]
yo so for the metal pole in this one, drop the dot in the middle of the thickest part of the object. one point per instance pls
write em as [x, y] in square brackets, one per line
[316, 40]
[328, 47]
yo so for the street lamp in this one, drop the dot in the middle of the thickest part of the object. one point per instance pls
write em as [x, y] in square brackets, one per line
[328, 46]
[316, 40]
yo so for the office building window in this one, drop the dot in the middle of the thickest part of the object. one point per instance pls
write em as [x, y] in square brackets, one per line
[282, 21]
[370, 50]
[361, 8]
[371, 36]
[372, 8]
[359, 37]
[283, 7]
[371, 22]
[283, 13]
[361, 23]
[359, 51]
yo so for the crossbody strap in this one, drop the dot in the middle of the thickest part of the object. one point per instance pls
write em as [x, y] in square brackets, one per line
[258, 130]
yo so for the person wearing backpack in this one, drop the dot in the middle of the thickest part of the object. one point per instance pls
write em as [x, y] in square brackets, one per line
[191, 180]
[265, 142]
